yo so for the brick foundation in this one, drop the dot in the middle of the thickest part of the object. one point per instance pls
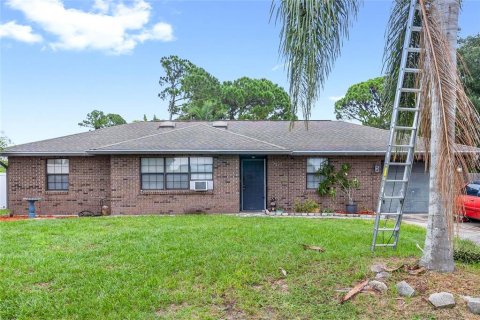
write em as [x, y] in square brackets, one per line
[286, 176]
[117, 178]
[127, 198]
[89, 182]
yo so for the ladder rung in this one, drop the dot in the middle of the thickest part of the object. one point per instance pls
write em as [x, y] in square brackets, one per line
[402, 146]
[399, 164]
[395, 181]
[385, 244]
[412, 49]
[393, 197]
[412, 70]
[408, 109]
[414, 90]
[416, 28]
[405, 128]
[387, 229]
[389, 214]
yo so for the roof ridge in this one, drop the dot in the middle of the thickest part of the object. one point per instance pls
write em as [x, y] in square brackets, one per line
[361, 125]
[245, 136]
[89, 132]
[147, 136]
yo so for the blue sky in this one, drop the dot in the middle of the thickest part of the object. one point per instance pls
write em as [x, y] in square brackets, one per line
[61, 59]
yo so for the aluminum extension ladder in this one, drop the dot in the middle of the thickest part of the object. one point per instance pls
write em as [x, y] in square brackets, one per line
[403, 135]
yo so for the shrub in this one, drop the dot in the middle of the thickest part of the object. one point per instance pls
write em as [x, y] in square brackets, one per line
[466, 251]
[307, 206]
[328, 210]
[331, 179]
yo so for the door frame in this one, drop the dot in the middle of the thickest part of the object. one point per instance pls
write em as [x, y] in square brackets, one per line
[254, 158]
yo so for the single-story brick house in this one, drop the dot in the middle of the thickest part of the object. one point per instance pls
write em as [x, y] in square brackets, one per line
[153, 167]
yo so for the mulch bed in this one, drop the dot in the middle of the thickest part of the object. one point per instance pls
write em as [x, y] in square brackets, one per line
[462, 282]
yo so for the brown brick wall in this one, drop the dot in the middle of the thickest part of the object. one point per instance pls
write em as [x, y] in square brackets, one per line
[286, 177]
[127, 198]
[118, 179]
[89, 181]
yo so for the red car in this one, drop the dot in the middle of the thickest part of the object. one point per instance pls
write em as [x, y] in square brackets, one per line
[471, 200]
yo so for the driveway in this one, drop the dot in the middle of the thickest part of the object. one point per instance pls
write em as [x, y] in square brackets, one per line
[468, 230]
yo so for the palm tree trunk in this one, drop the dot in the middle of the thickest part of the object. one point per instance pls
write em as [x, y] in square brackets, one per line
[438, 249]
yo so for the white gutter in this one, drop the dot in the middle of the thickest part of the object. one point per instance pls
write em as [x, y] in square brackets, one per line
[43, 153]
[183, 151]
[336, 152]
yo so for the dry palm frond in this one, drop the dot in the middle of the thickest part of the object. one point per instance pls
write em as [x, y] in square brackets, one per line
[448, 111]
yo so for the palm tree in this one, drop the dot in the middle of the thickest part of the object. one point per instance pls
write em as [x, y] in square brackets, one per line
[206, 110]
[311, 36]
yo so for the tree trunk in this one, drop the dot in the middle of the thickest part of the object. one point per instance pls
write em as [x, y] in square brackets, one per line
[438, 249]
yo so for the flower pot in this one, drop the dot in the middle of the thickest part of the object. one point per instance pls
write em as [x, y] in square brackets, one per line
[279, 211]
[351, 208]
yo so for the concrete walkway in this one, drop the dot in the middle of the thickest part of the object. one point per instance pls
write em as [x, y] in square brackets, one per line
[468, 230]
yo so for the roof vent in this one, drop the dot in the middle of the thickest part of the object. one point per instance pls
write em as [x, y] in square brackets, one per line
[220, 124]
[167, 124]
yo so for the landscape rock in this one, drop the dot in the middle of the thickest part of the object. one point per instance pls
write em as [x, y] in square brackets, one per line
[442, 300]
[378, 267]
[473, 305]
[378, 285]
[382, 275]
[404, 289]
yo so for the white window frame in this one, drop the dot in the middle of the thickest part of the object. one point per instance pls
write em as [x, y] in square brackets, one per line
[57, 169]
[310, 173]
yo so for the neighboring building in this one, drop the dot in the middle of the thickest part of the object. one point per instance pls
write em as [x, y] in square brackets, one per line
[152, 167]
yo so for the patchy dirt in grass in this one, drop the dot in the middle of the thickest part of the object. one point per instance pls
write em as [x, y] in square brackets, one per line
[8, 218]
[39, 217]
[391, 306]
[280, 285]
[170, 310]
[231, 311]
[42, 284]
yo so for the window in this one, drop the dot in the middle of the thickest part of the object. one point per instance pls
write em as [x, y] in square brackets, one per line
[177, 173]
[201, 168]
[174, 173]
[313, 165]
[473, 189]
[57, 174]
[152, 173]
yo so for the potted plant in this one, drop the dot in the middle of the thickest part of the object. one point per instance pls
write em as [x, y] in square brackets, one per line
[333, 180]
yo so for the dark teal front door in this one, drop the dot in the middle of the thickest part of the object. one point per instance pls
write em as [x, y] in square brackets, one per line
[253, 184]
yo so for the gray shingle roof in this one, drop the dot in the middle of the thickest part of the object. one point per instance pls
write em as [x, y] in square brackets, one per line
[260, 137]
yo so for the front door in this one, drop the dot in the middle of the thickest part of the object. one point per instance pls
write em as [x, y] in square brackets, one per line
[253, 184]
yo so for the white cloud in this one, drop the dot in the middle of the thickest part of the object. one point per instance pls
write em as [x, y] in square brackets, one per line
[335, 98]
[19, 32]
[114, 27]
[161, 31]
[102, 6]
[278, 66]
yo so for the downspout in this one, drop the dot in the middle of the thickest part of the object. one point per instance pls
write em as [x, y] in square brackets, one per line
[3, 164]
[288, 182]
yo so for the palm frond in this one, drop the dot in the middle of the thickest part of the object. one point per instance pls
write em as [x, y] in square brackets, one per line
[394, 38]
[448, 111]
[311, 37]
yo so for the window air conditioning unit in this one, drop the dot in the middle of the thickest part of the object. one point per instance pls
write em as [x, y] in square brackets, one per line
[199, 185]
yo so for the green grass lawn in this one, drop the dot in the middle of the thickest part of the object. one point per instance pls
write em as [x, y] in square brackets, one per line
[185, 267]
